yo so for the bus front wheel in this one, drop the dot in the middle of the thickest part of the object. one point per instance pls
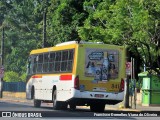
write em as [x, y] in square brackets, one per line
[97, 107]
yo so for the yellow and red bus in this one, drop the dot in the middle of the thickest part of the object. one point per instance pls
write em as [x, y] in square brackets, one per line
[77, 74]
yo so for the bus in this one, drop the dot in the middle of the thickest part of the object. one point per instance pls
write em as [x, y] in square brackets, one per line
[77, 74]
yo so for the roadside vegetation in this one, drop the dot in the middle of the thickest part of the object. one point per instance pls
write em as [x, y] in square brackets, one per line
[135, 24]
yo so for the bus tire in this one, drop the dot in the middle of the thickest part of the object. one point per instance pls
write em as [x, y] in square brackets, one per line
[72, 106]
[56, 104]
[37, 103]
[63, 105]
[97, 107]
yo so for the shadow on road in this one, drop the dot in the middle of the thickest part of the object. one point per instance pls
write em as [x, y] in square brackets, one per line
[47, 111]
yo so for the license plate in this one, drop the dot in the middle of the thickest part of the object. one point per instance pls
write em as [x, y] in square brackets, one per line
[99, 95]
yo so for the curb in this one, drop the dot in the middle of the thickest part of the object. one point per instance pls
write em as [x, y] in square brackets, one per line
[15, 100]
[123, 109]
[112, 108]
[20, 95]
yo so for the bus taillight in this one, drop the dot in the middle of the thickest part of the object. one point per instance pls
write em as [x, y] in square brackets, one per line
[65, 77]
[76, 83]
[122, 85]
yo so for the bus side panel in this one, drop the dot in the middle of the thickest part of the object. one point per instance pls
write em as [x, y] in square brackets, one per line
[34, 87]
[64, 89]
[47, 85]
[44, 87]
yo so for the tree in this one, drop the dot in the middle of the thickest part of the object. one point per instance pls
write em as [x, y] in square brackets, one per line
[66, 16]
[11, 77]
[20, 33]
[19, 44]
[121, 22]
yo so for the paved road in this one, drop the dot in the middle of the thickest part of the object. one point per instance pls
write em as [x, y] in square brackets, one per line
[19, 110]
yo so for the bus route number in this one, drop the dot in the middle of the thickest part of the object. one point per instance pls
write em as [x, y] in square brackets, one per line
[115, 86]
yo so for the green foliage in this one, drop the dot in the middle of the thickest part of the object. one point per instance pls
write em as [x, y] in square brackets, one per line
[135, 23]
[132, 23]
[23, 77]
[20, 36]
[66, 16]
[11, 77]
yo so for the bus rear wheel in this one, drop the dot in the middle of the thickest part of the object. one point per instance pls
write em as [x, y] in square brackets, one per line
[97, 107]
[37, 103]
[72, 106]
[56, 104]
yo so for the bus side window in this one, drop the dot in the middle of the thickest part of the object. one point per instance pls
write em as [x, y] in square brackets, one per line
[58, 61]
[64, 60]
[29, 65]
[51, 62]
[71, 53]
[40, 63]
[45, 63]
[70, 60]
[35, 60]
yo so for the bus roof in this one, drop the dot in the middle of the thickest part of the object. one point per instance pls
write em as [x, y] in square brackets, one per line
[69, 45]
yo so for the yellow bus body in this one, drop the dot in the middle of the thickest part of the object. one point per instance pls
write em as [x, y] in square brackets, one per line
[98, 68]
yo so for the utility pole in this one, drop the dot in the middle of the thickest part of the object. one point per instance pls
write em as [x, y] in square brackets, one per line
[2, 47]
[44, 23]
[2, 59]
[126, 93]
[44, 28]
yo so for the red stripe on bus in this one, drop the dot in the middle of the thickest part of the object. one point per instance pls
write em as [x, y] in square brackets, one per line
[66, 77]
[37, 76]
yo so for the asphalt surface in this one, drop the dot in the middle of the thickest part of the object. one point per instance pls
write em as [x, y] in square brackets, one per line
[23, 105]
[118, 107]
